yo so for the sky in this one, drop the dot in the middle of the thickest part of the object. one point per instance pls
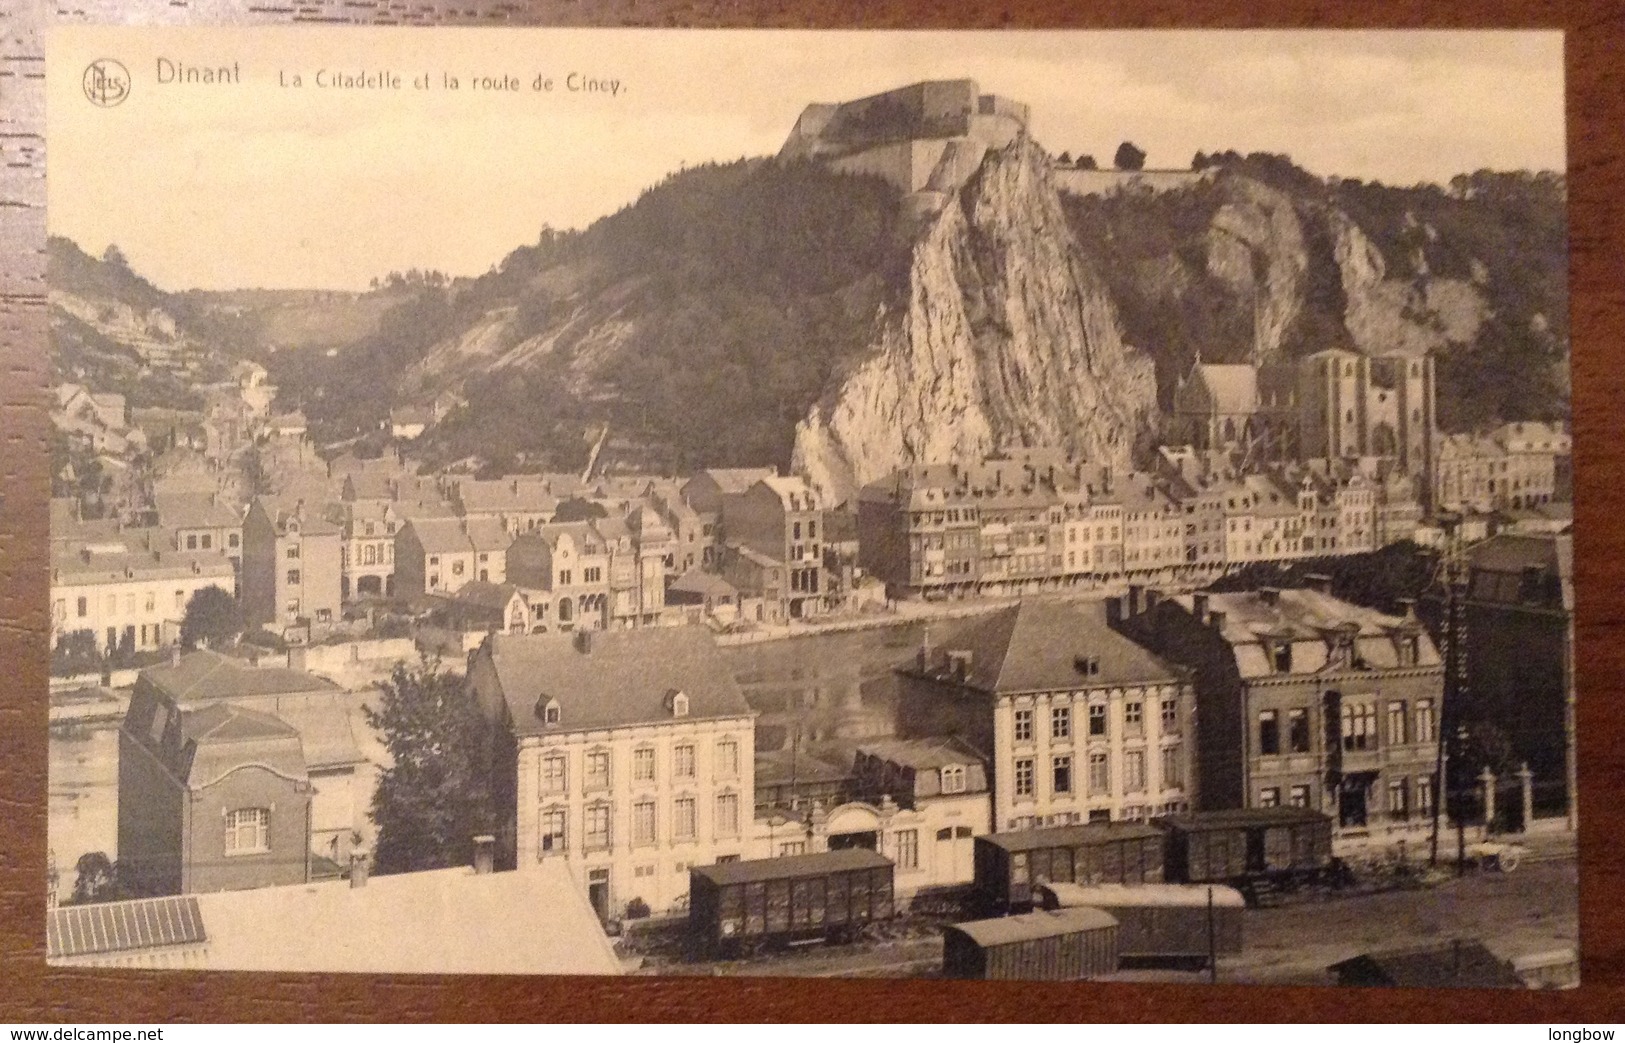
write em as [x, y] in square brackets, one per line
[255, 183]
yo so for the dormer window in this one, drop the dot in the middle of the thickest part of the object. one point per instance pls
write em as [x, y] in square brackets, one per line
[548, 709]
[677, 702]
[953, 778]
[1280, 653]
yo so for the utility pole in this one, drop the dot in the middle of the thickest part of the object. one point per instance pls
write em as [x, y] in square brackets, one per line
[1453, 639]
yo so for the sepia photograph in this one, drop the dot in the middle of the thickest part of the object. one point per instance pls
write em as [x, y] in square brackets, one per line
[1042, 505]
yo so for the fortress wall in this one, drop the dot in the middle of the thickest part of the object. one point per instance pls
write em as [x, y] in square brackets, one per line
[906, 164]
[958, 161]
[1102, 182]
[995, 105]
[995, 131]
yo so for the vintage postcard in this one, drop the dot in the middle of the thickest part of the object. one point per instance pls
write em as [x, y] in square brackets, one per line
[1051, 505]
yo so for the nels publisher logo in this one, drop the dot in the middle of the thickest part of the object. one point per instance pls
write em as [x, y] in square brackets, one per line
[106, 82]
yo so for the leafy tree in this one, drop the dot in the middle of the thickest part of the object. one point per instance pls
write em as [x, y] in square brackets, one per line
[1065, 159]
[212, 617]
[75, 653]
[97, 880]
[1129, 157]
[435, 796]
[576, 509]
[1087, 163]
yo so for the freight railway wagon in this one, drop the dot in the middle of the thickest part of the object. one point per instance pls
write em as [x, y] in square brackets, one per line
[1160, 922]
[1009, 864]
[1065, 945]
[736, 907]
[1249, 847]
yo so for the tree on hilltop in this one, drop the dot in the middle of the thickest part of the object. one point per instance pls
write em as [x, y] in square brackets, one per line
[1129, 157]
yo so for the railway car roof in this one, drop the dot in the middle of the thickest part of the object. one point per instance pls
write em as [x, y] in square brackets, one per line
[792, 866]
[1006, 930]
[1071, 836]
[1126, 896]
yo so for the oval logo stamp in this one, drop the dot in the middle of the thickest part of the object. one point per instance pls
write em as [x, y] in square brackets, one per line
[106, 82]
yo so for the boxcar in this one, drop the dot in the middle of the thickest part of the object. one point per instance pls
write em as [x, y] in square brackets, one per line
[1066, 945]
[734, 906]
[1008, 864]
[1247, 844]
[1160, 921]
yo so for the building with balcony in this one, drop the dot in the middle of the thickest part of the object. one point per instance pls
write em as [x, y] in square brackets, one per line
[1304, 700]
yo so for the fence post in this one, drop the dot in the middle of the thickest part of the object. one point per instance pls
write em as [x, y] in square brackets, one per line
[1486, 779]
[1526, 779]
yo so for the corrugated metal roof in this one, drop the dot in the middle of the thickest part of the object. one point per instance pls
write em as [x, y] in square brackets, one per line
[793, 866]
[1007, 930]
[82, 930]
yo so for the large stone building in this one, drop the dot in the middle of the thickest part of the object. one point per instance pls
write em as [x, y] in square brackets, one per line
[927, 139]
[212, 799]
[629, 754]
[1076, 722]
[1303, 700]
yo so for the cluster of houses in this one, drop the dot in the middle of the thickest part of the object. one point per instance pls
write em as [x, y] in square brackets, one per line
[630, 755]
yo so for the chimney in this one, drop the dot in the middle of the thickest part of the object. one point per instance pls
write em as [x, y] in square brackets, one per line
[175, 656]
[1216, 619]
[1114, 611]
[1269, 595]
[1136, 595]
[924, 659]
[358, 868]
[1318, 581]
[583, 641]
[1152, 597]
[1199, 607]
[484, 854]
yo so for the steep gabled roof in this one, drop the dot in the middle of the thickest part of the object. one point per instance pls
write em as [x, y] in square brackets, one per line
[1035, 646]
[612, 679]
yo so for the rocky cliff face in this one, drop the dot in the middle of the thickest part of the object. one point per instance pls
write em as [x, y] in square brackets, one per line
[1007, 337]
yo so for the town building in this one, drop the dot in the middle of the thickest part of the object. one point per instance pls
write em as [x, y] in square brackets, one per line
[212, 799]
[703, 494]
[439, 555]
[128, 588]
[930, 797]
[1077, 722]
[629, 756]
[292, 566]
[341, 779]
[1516, 466]
[1303, 700]
[368, 555]
[563, 570]
[1520, 659]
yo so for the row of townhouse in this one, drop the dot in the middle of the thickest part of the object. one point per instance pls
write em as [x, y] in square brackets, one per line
[629, 754]
[1516, 466]
[1037, 520]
